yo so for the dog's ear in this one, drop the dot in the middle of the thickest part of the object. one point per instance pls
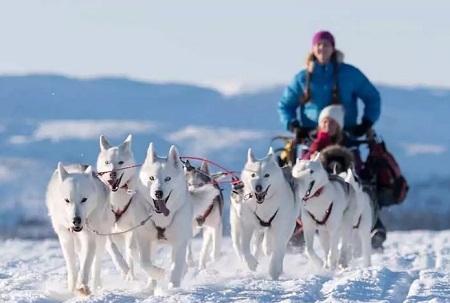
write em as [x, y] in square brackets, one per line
[126, 145]
[205, 168]
[317, 157]
[89, 170]
[62, 172]
[151, 155]
[173, 156]
[271, 155]
[104, 144]
[250, 156]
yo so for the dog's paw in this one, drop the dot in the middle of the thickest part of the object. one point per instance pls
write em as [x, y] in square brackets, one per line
[130, 277]
[83, 290]
[173, 286]
[157, 273]
[251, 262]
[275, 272]
[151, 286]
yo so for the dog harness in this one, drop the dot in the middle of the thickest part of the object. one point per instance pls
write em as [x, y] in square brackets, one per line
[217, 200]
[264, 223]
[325, 218]
[316, 194]
[119, 213]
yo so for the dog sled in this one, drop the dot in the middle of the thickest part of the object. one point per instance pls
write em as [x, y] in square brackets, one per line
[380, 172]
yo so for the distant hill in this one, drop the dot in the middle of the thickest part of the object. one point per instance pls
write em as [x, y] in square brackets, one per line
[51, 118]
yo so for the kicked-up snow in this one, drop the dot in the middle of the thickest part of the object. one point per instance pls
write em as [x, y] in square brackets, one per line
[415, 267]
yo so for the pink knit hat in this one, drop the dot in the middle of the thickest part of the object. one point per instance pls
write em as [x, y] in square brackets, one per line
[323, 35]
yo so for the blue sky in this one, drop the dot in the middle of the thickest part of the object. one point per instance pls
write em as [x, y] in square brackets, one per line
[223, 43]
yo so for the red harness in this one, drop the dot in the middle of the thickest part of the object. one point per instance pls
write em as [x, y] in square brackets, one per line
[119, 213]
[316, 194]
[325, 218]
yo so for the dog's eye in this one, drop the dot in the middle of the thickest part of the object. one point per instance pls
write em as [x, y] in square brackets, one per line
[152, 178]
[120, 162]
[107, 162]
[67, 200]
[266, 175]
[253, 175]
[83, 200]
[167, 179]
[311, 171]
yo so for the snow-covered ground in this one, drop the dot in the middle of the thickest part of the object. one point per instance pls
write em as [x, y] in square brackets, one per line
[415, 267]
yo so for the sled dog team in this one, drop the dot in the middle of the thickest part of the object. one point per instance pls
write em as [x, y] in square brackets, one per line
[127, 211]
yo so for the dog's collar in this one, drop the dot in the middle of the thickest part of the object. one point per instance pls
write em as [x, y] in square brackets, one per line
[119, 213]
[264, 223]
[316, 194]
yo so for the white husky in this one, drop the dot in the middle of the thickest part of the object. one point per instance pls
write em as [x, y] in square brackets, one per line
[210, 221]
[75, 197]
[117, 167]
[236, 200]
[363, 216]
[269, 205]
[167, 187]
[329, 206]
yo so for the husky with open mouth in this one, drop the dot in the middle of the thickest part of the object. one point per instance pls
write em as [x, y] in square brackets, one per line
[117, 167]
[166, 187]
[329, 207]
[270, 206]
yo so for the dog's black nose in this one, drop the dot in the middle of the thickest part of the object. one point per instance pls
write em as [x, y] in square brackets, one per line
[158, 194]
[113, 175]
[76, 221]
[258, 188]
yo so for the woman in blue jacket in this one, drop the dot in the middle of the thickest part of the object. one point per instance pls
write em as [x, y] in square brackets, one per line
[328, 80]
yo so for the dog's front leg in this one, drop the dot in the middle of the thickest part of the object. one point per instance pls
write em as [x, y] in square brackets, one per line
[346, 235]
[88, 248]
[67, 245]
[178, 263]
[309, 230]
[366, 246]
[131, 254]
[236, 234]
[216, 252]
[247, 233]
[324, 237]
[207, 235]
[333, 254]
[278, 251]
[96, 266]
[143, 244]
[116, 256]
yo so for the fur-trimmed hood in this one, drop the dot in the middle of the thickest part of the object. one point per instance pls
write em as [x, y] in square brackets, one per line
[336, 154]
[309, 62]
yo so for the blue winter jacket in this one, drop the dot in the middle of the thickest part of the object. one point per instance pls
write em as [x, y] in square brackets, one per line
[352, 84]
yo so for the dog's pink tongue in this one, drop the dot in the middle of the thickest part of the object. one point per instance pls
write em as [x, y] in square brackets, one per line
[162, 207]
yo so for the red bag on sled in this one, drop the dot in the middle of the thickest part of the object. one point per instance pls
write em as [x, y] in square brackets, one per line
[391, 185]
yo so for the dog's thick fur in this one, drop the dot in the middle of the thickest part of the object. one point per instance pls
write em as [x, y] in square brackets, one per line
[269, 201]
[328, 205]
[210, 221]
[129, 205]
[76, 197]
[363, 220]
[166, 186]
